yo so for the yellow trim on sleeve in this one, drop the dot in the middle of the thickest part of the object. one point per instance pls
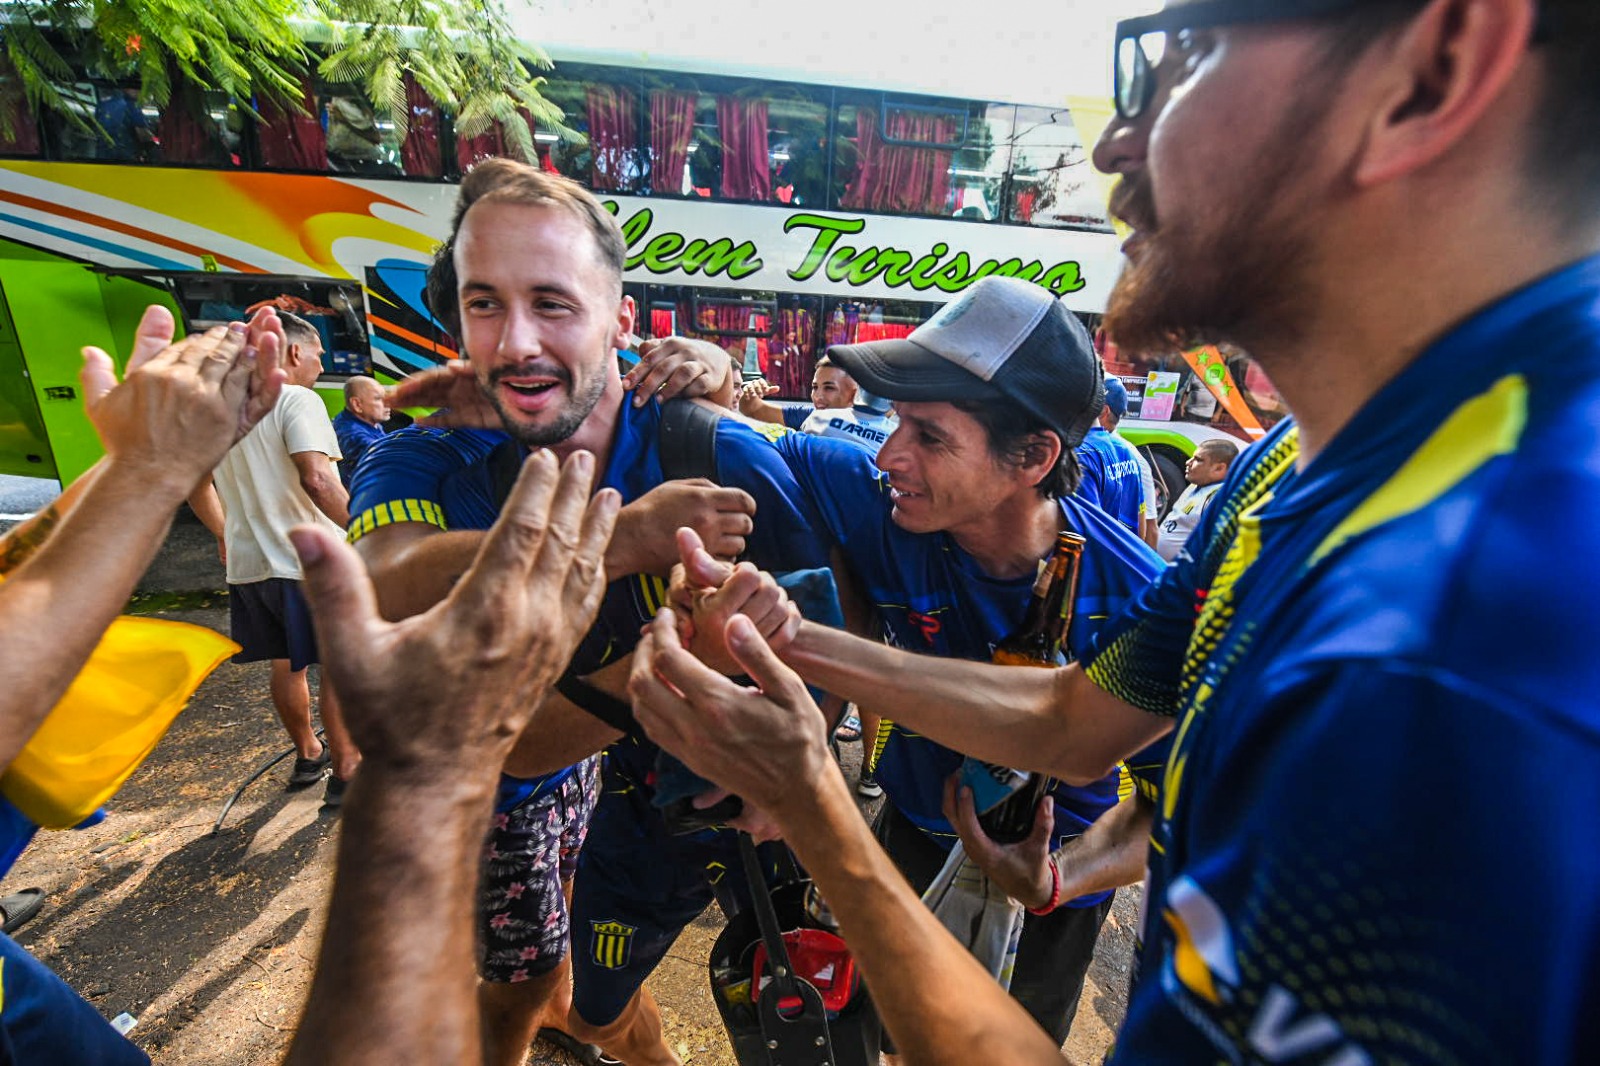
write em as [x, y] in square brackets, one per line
[424, 512]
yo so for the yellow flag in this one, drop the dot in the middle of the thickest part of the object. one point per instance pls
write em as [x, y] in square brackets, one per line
[136, 681]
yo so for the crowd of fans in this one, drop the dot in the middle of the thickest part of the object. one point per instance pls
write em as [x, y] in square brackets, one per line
[1352, 762]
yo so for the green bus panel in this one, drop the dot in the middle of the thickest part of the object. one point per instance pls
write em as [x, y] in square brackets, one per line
[57, 308]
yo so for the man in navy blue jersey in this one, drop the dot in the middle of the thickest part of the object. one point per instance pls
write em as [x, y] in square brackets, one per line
[530, 282]
[1374, 837]
[1112, 471]
[944, 533]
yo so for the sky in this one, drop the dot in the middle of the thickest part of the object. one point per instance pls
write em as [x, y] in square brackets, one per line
[1038, 53]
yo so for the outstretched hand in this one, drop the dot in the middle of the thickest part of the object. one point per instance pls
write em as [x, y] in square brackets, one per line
[767, 744]
[182, 405]
[452, 388]
[1021, 870]
[710, 592]
[444, 694]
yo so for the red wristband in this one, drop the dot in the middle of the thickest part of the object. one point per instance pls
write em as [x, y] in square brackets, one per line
[1055, 890]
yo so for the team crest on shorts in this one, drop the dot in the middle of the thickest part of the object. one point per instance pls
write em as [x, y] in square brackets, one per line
[611, 943]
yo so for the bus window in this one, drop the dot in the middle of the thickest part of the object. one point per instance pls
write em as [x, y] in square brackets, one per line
[1222, 388]
[112, 125]
[1052, 182]
[337, 130]
[331, 305]
[604, 112]
[23, 138]
[720, 139]
[905, 156]
[769, 334]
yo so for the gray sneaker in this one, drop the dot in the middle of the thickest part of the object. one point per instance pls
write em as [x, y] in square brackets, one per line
[868, 785]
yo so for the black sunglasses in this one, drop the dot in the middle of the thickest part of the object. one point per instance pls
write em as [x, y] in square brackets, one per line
[1133, 72]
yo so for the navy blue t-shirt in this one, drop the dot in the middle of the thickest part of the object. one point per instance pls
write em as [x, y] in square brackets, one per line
[355, 437]
[1377, 834]
[934, 599]
[795, 416]
[441, 477]
[1111, 478]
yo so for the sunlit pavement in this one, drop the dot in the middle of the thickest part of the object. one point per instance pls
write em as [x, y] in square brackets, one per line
[20, 496]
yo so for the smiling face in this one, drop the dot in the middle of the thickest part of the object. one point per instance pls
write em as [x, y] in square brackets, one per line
[832, 389]
[1219, 183]
[942, 473]
[541, 317]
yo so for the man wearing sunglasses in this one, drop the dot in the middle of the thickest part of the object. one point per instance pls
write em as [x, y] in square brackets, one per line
[1375, 839]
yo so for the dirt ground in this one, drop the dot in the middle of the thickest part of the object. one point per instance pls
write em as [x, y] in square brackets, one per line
[209, 940]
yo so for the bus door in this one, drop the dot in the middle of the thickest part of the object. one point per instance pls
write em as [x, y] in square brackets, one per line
[24, 448]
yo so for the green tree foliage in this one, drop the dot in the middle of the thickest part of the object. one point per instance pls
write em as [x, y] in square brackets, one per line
[462, 53]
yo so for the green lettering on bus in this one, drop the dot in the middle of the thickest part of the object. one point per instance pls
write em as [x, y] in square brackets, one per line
[659, 254]
[1064, 278]
[896, 266]
[954, 275]
[828, 231]
[721, 256]
[926, 265]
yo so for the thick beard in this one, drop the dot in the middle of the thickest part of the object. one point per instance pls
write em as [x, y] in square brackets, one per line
[567, 421]
[1197, 282]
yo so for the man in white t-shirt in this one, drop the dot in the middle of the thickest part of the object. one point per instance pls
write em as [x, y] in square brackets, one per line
[283, 474]
[866, 423]
[1204, 471]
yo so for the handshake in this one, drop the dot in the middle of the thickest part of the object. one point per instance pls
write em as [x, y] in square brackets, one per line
[755, 741]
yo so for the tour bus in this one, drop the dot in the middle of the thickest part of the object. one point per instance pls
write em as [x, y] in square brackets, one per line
[773, 217]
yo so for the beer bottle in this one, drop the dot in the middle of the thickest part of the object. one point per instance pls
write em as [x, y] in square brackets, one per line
[1038, 642]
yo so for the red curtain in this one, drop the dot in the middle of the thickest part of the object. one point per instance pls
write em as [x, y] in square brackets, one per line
[24, 139]
[867, 332]
[187, 131]
[671, 127]
[420, 154]
[742, 124]
[794, 353]
[290, 140]
[898, 178]
[613, 138]
[717, 323]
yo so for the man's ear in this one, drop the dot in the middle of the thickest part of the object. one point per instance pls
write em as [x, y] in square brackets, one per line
[1436, 81]
[1039, 455]
[627, 318]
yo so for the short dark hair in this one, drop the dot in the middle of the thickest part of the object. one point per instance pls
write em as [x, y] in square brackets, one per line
[1219, 450]
[297, 330]
[1565, 131]
[510, 181]
[1011, 431]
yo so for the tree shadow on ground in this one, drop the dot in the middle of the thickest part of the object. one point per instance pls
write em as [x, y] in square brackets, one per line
[194, 899]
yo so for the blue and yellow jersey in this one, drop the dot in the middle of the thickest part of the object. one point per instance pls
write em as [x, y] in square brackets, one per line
[935, 600]
[1375, 839]
[1112, 477]
[442, 477]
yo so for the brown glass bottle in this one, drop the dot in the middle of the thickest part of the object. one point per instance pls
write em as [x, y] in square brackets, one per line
[1037, 642]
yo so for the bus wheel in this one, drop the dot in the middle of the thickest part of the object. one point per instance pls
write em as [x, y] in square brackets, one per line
[1170, 482]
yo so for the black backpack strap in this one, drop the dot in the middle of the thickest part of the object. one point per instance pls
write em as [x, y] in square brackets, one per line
[801, 1037]
[505, 464]
[688, 440]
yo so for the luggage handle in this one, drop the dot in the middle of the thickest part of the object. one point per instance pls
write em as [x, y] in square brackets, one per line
[795, 1039]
